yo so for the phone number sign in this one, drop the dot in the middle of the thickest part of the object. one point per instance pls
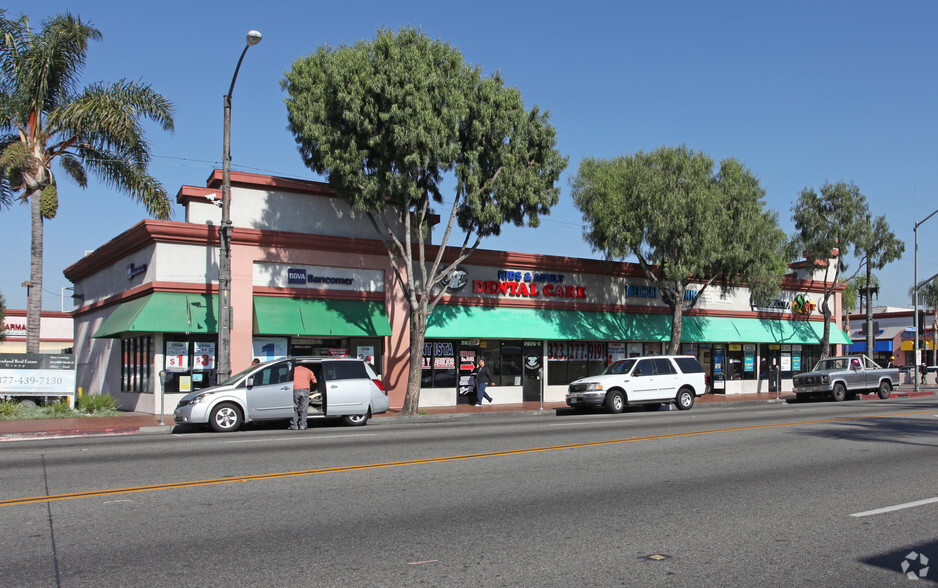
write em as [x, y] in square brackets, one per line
[37, 374]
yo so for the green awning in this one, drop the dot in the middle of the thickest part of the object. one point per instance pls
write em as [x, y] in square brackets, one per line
[162, 312]
[774, 331]
[486, 322]
[275, 315]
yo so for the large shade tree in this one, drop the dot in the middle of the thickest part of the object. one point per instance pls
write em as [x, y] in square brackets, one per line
[45, 118]
[831, 223]
[686, 223]
[396, 121]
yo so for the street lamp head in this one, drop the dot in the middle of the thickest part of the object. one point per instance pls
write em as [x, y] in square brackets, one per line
[254, 37]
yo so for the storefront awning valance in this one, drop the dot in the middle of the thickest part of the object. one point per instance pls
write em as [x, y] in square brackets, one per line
[162, 312]
[910, 345]
[485, 322]
[881, 346]
[276, 315]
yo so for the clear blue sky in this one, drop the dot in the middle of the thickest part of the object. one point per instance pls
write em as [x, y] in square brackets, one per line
[801, 92]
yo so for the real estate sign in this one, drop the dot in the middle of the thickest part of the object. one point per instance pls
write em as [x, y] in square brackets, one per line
[37, 374]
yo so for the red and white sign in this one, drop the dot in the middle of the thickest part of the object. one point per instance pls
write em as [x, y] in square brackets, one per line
[177, 356]
[204, 357]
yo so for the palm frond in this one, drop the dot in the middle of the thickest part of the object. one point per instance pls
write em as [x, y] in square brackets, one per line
[74, 168]
[107, 116]
[124, 175]
[56, 60]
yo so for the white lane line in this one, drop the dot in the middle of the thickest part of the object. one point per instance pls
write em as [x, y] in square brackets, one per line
[317, 438]
[606, 422]
[895, 507]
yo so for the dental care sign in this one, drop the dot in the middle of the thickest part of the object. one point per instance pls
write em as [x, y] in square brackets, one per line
[530, 284]
[37, 374]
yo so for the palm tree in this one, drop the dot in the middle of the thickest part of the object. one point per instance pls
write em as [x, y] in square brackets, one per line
[44, 117]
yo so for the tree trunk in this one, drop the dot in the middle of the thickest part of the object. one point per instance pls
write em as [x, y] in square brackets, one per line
[418, 331]
[677, 313]
[676, 324]
[826, 339]
[34, 298]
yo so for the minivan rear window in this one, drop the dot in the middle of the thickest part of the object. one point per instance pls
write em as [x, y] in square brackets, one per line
[345, 370]
[688, 365]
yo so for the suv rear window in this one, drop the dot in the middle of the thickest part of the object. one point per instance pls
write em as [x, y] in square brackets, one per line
[345, 370]
[688, 365]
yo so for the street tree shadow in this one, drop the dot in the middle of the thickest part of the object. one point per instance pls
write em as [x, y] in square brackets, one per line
[906, 431]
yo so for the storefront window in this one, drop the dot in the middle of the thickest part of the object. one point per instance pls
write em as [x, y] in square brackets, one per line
[439, 365]
[571, 360]
[190, 363]
[136, 364]
[511, 364]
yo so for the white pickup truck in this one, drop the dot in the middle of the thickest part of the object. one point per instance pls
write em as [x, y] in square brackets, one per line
[845, 377]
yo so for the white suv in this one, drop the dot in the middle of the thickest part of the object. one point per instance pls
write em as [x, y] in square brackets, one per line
[650, 381]
[346, 388]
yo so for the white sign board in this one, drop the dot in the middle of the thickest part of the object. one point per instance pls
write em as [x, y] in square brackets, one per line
[177, 356]
[204, 357]
[37, 374]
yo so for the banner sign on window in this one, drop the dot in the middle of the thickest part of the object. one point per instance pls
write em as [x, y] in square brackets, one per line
[177, 356]
[204, 358]
[269, 348]
[467, 359]
[575, 351]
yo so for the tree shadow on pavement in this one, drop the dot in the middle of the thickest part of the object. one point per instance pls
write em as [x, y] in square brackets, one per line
[909, 431]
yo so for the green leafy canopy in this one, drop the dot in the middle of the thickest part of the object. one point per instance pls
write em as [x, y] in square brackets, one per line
[681, 218]
[393, 122]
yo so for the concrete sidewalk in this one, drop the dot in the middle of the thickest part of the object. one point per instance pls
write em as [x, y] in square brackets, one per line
[137, 423]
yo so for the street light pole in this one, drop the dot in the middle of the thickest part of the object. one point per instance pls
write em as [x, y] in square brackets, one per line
[223, 367]
[915, 288]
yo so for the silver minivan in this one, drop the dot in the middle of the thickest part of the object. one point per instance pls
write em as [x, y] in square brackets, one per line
[347, 388]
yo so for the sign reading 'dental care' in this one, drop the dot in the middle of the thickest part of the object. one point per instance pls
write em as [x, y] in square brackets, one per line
[37, 374]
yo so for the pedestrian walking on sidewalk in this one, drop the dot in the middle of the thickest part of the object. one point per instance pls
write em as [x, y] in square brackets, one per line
[483, 379]
[303, 379]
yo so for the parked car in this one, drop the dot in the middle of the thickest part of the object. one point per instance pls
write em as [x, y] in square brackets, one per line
[650, 381]
[347, 388]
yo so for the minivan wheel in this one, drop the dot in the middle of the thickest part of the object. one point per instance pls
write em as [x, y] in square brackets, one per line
[685, 399]
[357, 420]
[615, 402]
[225, 418]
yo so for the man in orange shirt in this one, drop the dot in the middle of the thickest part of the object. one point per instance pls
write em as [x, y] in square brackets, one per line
[303, 380]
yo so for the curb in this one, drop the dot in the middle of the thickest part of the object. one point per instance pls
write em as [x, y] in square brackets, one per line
[403, 420]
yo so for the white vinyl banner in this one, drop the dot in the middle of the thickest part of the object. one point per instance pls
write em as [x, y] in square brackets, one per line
[37, 374]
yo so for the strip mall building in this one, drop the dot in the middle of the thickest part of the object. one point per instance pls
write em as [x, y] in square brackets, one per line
[309, 277]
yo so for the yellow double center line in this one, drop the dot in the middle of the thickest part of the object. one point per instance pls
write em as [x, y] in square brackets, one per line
[431, 460]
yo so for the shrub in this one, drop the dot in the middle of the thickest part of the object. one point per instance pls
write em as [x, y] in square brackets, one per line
[58, 408]
[93, 403]
[8, 408]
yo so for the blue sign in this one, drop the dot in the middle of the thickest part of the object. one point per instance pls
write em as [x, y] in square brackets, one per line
[296, 276]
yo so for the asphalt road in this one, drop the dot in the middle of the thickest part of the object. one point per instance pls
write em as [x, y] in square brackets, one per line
[755, 496]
